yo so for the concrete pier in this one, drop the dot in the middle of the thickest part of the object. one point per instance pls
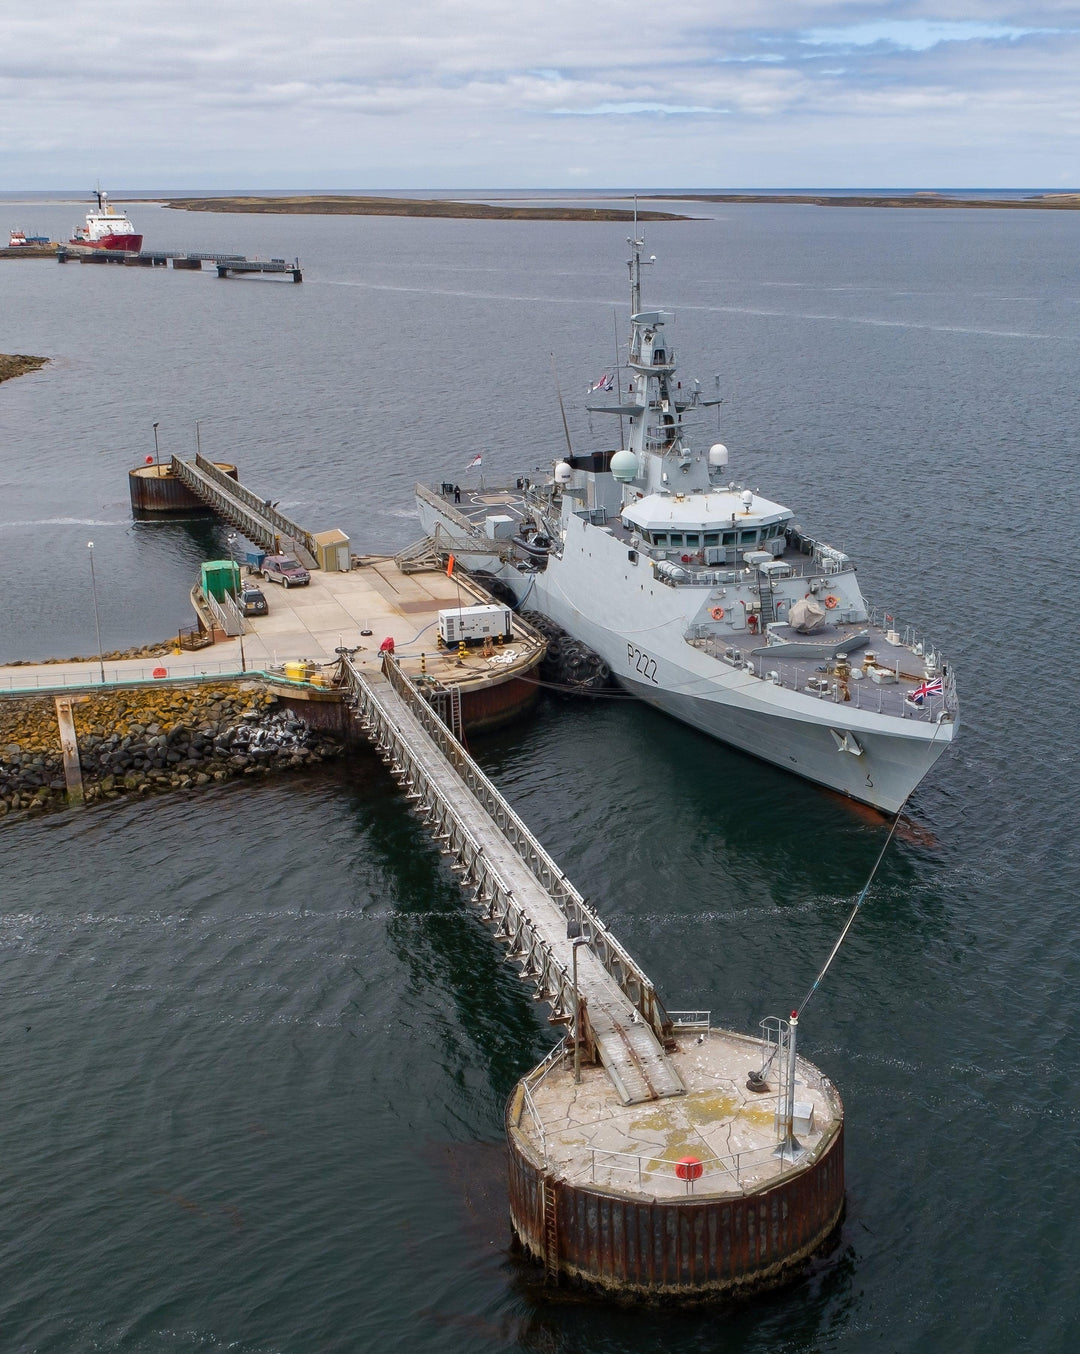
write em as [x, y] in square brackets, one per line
[685, 1199]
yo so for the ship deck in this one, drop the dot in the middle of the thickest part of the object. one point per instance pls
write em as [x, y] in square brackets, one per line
[739, 647]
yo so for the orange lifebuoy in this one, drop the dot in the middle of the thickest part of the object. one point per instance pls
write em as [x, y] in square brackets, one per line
[717, 613]
[831, 601]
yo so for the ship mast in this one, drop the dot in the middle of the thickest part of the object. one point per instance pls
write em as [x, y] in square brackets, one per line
[635, 263]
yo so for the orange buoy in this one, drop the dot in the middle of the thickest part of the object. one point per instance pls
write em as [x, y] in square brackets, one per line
[717, 613]
[831, 601]
[688, 1168]
[161, 672]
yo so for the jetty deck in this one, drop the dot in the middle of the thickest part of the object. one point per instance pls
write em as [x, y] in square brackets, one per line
[311, 624]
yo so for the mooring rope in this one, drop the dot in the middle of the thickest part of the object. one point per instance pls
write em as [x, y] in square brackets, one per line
[854, 912]
[861, 898]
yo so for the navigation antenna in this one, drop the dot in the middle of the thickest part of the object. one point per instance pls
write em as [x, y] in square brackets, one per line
[637, 244]
[618, 377]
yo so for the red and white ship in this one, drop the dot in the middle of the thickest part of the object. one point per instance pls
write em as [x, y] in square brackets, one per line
[107, 228]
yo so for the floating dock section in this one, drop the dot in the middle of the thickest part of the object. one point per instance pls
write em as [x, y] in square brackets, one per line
[651, 1155]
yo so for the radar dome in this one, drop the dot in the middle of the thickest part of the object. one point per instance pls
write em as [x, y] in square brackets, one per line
[747, 499]
[563, 472]
[717, 455]
[624, 466]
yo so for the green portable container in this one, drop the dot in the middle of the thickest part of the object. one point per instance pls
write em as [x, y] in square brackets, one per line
[220, 576]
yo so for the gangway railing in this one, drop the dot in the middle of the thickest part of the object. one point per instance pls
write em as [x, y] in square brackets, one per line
[580, 918]
[226, 613]
[258, 520]
[299, 535]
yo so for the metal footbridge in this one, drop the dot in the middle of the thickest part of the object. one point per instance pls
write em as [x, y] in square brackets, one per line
[564, 949]
[257, 518]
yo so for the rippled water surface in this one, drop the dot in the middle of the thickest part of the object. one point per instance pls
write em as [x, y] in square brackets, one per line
[255, 1049]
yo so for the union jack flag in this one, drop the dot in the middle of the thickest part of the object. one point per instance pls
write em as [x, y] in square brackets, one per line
[933, 688]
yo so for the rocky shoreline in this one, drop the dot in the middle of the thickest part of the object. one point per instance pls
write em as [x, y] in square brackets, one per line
[18, 364]
[142, 742]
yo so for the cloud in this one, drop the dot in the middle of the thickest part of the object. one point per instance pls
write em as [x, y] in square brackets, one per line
[631, 109]
[432, 94]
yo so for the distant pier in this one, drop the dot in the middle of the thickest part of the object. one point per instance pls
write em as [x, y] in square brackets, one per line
[225, 264]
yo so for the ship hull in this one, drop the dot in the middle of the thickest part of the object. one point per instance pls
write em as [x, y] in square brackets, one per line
[766, 721]
[877, 760]
[128, 244]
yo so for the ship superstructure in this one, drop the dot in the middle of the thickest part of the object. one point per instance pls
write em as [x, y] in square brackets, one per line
[706, 599]
[107, 228]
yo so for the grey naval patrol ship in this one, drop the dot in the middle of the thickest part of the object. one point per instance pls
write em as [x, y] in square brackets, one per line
[705, 599]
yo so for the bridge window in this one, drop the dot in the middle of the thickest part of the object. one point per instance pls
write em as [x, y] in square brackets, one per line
[729, 538]
[659, 538]
[747, 537]
[693, 539]
[676, 538]
[712, 538]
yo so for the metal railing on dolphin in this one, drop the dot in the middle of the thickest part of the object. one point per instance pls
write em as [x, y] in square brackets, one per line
[580, 917]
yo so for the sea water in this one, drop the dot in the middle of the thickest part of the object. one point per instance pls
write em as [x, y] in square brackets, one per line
[255, 1047]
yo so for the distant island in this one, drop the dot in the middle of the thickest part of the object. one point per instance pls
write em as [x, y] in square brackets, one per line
[18, 364]
[358, 205]
[405, 206]
[1045, 201]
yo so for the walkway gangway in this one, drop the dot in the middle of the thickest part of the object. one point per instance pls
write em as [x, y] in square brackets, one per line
[613, 1007]
[257, 518]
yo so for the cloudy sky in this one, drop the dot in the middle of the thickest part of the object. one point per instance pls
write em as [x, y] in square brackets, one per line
[490, 94]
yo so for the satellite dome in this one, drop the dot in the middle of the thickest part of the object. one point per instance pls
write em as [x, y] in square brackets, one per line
[563, 472]
[624, 466]
[717, 455]
[747, 499]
